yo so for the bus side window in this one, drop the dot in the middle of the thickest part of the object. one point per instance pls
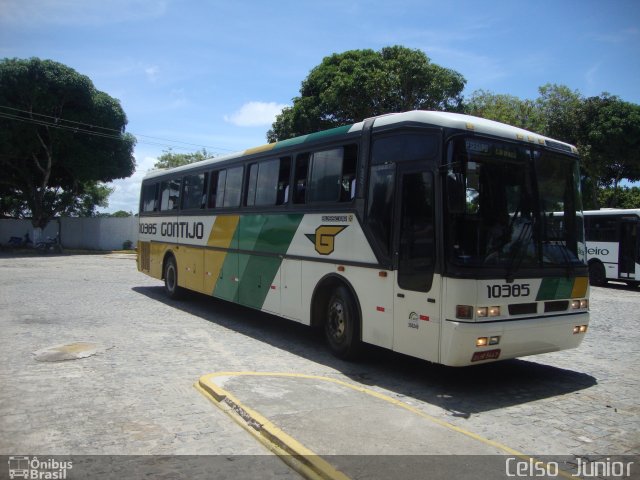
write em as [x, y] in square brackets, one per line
[283, 181]
[300, 178]
[170, 195]
[222, 181]
[325, 182]
[213, 188]
[150, 198]
[348, 181]
[193, 191]
[233, 187]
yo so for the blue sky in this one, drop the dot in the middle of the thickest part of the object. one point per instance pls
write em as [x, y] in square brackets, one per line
[214, 73]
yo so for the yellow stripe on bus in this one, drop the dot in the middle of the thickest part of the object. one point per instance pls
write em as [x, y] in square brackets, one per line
[222, 232]
[580, 287]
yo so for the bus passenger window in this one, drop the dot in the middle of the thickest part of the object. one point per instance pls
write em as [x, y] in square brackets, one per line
[252, 180]
[283, 181]
[149, 198]
[325, 182]
[193, 189]
[348, 182]
[300, 178]
[222, 180]
[233, 187]
[170, 195]
[213, 190]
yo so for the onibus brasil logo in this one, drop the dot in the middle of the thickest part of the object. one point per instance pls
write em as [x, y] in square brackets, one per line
[33, 468]
[325, 238]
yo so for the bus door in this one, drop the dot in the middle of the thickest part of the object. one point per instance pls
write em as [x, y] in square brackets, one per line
[416, 289]
[628, 248]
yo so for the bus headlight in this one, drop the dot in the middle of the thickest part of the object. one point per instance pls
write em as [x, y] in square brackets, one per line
[482, 311]
[579, 329]
[580, 304]
[494, 311]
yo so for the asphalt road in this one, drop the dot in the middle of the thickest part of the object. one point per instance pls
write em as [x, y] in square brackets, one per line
[133, 392]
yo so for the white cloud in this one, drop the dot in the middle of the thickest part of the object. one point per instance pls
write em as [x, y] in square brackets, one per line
[255, 114]
[152, 73]
[127, 190]
[591, 75]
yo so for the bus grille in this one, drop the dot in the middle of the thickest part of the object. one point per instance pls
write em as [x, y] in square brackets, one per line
[556, 306]
[145, 256]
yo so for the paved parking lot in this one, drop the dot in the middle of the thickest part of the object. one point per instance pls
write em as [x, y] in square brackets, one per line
[136, 395]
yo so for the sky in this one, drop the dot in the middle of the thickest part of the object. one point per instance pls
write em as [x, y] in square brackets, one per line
[213, 74]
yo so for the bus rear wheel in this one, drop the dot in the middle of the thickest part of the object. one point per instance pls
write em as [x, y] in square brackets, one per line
[597, 274]
[341, 325]
[171, 287]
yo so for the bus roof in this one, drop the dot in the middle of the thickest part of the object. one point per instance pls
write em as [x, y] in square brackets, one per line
[614, 211]
[441, 119]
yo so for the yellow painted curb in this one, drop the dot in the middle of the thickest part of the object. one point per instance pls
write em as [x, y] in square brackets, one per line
[298, 456]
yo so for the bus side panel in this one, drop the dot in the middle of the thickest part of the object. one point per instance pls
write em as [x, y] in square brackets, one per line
[190, 267]
[374, 294]
[225, 235]
[291, 289]
[270, 236]
[157, 255]
[607, 253]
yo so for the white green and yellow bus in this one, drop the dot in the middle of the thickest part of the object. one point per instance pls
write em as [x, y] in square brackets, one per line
[428, 233]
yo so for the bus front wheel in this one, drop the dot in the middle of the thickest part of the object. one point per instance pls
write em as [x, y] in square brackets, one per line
[171, 287]
[597, 274]
[341, 326]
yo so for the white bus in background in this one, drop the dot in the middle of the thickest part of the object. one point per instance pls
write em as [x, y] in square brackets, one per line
[613, 245]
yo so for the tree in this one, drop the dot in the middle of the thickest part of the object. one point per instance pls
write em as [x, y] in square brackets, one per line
[59, 138]
[609, 139]
[121, 214]
[168, 159]
[351, 86]
[625, 197]
[506, 109]
[559, 108]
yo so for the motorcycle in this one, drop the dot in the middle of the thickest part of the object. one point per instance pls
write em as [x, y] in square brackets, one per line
[51, 244]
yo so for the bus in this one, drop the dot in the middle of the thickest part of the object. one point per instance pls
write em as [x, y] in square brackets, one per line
[613, 245]
[428, 233]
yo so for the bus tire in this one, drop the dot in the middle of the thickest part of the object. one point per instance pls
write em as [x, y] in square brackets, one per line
[341, 324]
[597, 274]
[171, 287]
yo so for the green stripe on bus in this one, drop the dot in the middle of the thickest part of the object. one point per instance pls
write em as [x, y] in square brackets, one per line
[555, 288]
[247, 278]
[312, 137]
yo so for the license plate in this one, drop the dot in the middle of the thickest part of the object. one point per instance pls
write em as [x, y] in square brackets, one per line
[486, 355]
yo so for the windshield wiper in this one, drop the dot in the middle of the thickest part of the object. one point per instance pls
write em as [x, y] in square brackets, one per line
[520, 246]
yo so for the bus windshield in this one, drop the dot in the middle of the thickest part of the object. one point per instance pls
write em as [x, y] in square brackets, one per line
[512, 207]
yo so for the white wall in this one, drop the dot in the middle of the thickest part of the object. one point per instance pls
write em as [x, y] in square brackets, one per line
[102, 233]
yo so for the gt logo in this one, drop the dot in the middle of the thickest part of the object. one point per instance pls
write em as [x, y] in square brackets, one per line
[325, 237]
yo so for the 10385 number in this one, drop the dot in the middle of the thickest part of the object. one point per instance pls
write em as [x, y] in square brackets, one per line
[508, 290]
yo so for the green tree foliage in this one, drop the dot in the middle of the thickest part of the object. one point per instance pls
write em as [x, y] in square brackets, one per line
[121, 214]
[559, 110]
[621, 197]
[609, 139]
[169, 159]
[357, 84]
[59, 138]
[506, 109]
